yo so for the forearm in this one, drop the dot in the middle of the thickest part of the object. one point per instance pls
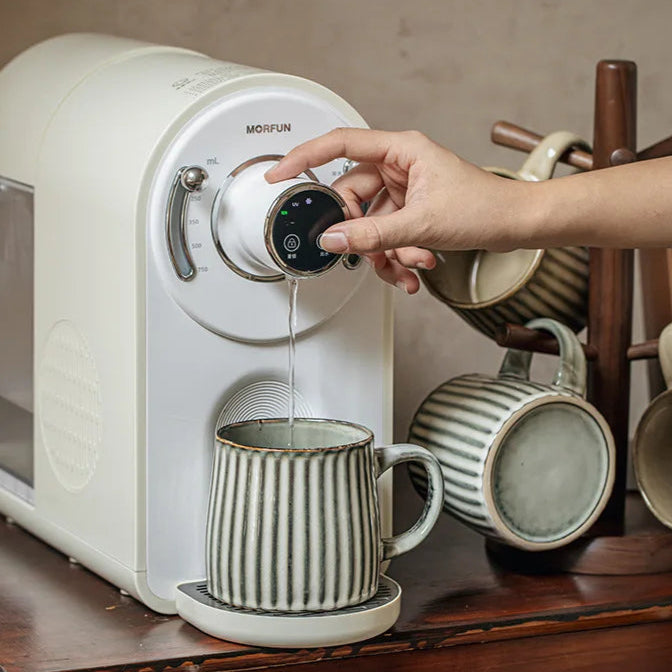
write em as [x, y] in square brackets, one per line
[625, 207]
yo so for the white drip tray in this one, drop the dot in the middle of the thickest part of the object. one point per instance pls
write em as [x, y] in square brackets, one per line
[297, 630]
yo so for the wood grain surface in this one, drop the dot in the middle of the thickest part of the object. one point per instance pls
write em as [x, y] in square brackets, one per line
[57, 617]
[610, 293]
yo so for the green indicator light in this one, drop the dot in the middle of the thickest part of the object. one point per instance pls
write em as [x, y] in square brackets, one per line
[283, 212]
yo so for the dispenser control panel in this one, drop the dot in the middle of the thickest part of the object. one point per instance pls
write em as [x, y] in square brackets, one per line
[224, 239]
[298, 222]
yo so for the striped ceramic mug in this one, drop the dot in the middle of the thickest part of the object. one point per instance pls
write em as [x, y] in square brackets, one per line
[488, 289]
[298, 528]
[528, 464]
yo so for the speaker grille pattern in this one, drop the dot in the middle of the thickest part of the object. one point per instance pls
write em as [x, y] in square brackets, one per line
[70, 406]
[263, 399]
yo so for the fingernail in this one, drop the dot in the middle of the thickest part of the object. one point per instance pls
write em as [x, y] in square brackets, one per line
[421, 265]
[402, 286]
[333, 242]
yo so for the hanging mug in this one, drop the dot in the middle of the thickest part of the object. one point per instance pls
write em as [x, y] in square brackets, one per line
[652, 447]
[488, 289]
[528, 464]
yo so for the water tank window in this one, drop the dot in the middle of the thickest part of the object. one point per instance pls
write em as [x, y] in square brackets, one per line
[16, 338]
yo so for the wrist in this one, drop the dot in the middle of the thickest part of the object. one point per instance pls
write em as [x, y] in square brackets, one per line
[544, 220]
[523, 215]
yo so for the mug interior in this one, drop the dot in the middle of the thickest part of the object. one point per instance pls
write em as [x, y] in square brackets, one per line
[550, 472]
[309, 434]
[496, 273]
[478, 278]
[653, 457]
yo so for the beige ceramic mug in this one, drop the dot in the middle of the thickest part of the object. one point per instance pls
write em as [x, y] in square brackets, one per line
[491, 288]
[652, 447]
[528, 464]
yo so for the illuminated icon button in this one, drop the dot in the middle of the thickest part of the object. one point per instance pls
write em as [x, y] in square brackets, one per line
[291, 242]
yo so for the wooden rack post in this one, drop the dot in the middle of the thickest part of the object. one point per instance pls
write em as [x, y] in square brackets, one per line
[610, 281]
[616, 544]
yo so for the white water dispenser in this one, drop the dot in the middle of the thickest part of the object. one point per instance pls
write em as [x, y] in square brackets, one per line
[143, 295]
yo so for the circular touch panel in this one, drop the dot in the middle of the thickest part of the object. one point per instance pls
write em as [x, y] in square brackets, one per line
[298, 222]
[550, 472]
[70, 406]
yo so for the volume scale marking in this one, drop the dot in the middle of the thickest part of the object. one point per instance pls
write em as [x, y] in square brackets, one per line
[187, 180]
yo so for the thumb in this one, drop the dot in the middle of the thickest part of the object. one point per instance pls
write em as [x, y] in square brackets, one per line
[376, 233]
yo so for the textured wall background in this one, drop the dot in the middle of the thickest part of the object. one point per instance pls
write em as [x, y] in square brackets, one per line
[448, 68]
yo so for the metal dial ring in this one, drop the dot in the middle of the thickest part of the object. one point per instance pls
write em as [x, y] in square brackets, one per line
[215, 209]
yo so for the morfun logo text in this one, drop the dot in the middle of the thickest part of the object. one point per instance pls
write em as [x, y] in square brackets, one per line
[269, 128]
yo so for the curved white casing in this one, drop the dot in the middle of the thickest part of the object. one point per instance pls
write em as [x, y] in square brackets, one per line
[93, 124]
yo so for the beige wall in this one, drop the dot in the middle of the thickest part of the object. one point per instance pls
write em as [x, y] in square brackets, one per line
[447, 67]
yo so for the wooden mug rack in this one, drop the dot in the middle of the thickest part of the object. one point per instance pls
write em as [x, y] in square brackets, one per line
[626, 539]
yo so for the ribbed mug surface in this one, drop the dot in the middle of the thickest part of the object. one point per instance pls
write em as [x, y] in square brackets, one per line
[526, 463]
[293, 530]
[293, 520]
[555, 286]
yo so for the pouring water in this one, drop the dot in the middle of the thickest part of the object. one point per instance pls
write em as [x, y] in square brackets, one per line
[293, 285]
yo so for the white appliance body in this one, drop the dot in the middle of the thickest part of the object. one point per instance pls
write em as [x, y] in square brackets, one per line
[117, 370]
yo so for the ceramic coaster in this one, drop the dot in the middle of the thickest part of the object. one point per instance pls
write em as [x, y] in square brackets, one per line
[283, 630]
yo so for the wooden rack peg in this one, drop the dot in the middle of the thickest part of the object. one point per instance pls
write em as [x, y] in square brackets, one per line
[521, 338]
[516, 137]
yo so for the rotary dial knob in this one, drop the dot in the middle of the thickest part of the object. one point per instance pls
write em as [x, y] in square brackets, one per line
[264, 231]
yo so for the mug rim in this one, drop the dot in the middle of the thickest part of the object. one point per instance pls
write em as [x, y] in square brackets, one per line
[500, 525]
[637, 455]
[368, 435]
[479, 305]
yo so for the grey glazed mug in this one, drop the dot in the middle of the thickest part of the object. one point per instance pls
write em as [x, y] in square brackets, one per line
[488, 289]
[297, 528]
[651, 448]
[528, 464]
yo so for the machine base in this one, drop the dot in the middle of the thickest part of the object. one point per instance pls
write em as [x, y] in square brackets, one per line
[283, 630]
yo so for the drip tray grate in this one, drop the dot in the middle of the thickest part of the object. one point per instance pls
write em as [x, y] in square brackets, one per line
[289, 630]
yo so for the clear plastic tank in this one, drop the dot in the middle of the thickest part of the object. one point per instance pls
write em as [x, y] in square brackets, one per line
[16, 334]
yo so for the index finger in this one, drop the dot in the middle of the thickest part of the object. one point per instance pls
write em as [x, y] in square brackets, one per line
[357, 144]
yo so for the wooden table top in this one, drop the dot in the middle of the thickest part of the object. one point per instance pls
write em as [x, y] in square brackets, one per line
[57, 617]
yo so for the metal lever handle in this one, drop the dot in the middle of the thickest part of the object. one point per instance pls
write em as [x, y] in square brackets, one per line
[187, 180]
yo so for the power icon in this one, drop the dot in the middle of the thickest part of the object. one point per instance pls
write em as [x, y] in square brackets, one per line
[291, 242]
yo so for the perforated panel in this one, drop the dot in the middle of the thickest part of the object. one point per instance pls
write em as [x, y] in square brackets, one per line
[70, 406]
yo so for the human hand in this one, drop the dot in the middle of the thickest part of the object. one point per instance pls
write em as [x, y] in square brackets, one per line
[421, 194]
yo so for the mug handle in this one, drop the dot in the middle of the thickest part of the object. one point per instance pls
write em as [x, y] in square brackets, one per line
[542, 160]
[571, 372]
[665, 354]
[389, 456]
